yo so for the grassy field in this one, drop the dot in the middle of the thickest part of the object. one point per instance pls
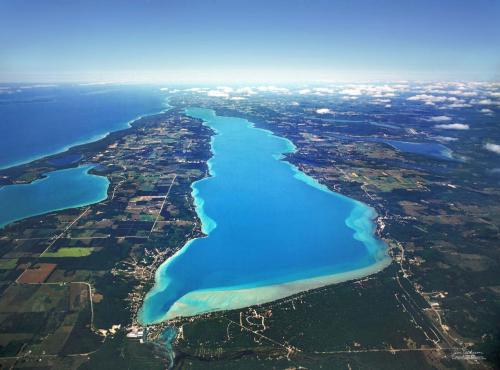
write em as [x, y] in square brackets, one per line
[70, 252]
[8, 263]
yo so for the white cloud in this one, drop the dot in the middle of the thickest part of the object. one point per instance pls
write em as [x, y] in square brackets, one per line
[495, 148]
[486, 111]
[246, 91]
[196, 89]
[324, 90]
[218, 94]
[89, 84]
[453, 126]
[462, 93]
[295, 103]
[445, 139]
[429, 99]
[383, 95]
[440, 119]
[356, 91]
[225, 89]
[380, 101]
[238, 98]
[323, 111]
[273, 89]
[459, 105]
[485, 102]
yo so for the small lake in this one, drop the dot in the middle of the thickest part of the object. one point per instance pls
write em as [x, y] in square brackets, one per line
[57, 190]
[272, 230]
[428, 149]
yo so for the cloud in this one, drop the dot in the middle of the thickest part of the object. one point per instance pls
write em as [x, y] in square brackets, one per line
[440, 119]
[485, 102]
[495, 148]
[445, 139]
[383, 95]
[461, 93]
[324, 90]
[218, 94]
[458, 105]
[196, 89]
[273, 89]
[430, 99]
[225, 89]
[246, 91]
[91, 84]
[356, 91]
[453, 126]
[238, 98]
[380, 101]
[323, 111]
[305, 91]
[40, 86]
[486, 111]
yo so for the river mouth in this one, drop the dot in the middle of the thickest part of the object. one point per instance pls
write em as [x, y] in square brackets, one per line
[272, 231]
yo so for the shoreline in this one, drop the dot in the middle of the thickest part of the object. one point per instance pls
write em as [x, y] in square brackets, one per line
[187, 305]
[95, 138]
[272, 292]
[45, 176]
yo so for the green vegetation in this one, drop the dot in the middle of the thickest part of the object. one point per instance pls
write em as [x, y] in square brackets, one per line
[440, 217]
[69, 252]
[53, 325]
[8, 263]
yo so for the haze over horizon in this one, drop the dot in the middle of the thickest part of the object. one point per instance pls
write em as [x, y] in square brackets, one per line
[255, 41]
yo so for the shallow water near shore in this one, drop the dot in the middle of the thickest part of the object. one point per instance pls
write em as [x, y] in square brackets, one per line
[272, 230]
[62, 189]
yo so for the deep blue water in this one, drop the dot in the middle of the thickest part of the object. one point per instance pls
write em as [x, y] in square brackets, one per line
[35, 122]
[429, 149]
[66, 159]
[267, 223]
[58, 190]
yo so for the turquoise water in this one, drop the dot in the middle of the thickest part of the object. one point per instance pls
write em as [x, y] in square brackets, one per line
[272, 230]
[58, 190]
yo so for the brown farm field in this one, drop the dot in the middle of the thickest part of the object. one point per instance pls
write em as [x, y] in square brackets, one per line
[37, 274]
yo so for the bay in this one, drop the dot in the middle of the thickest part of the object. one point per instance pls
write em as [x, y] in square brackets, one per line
[39, 121]
[57, 190]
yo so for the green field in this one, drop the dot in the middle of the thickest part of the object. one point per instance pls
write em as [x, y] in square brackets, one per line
[8, 263]
[70, 252]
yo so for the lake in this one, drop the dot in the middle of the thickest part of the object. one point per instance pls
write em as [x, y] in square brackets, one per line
[272, 231]
[36, 122]
[57, 190]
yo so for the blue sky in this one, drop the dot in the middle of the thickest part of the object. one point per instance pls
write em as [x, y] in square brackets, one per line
[263, 41]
